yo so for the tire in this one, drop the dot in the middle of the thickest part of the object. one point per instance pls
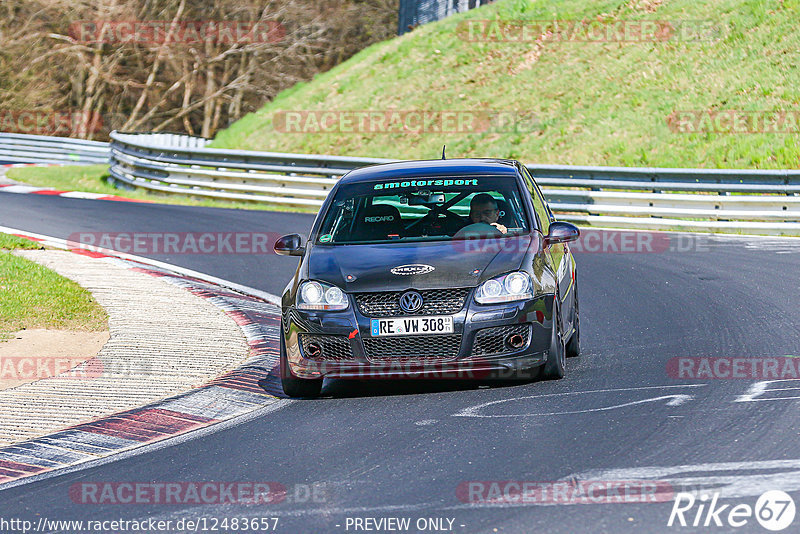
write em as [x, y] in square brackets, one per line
[574, 344]
[554, 367]
[292, 385]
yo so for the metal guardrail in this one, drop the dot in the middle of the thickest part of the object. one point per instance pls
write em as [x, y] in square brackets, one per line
[24, 148]
[747, 201]
[172, 165]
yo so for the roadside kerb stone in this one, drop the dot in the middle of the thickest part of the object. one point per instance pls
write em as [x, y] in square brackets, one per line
[163, 341]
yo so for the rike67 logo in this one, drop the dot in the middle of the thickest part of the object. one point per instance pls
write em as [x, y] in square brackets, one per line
[774, 510]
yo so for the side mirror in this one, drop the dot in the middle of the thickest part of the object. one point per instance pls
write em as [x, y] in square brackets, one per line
[289, 245]
[561, 232]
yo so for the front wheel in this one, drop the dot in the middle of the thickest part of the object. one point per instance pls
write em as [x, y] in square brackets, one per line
[292, 385]
[556, 363]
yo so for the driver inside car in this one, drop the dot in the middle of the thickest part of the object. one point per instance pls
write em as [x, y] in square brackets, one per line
[484, 213]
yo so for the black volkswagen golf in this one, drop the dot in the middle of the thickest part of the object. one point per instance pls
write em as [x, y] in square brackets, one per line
[442, 268]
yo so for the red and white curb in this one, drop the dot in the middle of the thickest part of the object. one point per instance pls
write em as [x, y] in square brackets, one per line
[9, 165]
[253, 386]
[29, 189]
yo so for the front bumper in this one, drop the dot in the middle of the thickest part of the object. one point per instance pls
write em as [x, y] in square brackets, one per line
[352, 351]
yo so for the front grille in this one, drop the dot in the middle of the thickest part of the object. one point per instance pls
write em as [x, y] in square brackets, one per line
[490, 341]
[435, 302]
[334, 348]
[413, 348]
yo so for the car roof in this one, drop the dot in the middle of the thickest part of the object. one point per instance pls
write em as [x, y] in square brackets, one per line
[433, 167]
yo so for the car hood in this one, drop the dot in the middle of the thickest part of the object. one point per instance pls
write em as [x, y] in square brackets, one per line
[454, 263]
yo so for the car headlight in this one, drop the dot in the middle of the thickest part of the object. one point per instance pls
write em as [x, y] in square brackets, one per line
[320, 296]
[506, 288]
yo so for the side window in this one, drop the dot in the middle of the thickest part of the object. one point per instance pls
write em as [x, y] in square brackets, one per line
[538, 202]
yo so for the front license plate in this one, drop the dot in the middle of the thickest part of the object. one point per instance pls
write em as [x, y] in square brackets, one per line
[404, 326]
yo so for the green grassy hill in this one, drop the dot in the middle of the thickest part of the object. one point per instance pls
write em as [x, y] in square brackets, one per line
[592, 103]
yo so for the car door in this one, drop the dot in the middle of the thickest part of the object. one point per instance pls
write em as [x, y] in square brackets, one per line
[558, 255]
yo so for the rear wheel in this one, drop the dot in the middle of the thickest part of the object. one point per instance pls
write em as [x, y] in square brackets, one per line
[555, 365]
[292, 385]
[574, 344]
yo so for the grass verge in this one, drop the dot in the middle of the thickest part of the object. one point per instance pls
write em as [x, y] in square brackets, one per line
[595, 101]
[33, 296]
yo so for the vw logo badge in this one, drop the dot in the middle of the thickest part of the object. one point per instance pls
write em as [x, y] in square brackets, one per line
[410, 301]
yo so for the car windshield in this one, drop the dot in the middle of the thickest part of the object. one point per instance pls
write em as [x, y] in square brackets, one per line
[424, 209]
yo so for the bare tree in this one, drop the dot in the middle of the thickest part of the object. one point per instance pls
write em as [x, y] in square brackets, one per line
[199, 74]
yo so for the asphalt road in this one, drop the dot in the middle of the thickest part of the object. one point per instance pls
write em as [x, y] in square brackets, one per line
[403, 449]
[68, 218]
